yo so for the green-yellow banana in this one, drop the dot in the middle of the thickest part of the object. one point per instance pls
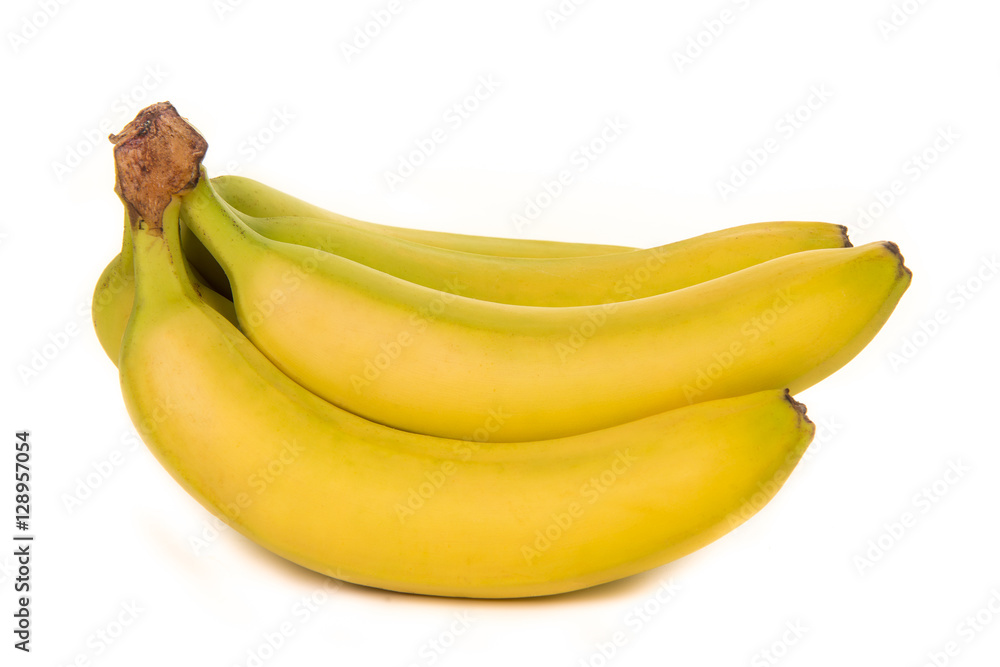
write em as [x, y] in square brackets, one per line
[508, 520]
[557, 281]
[599, 279]
[427, 361]
[259, 200]
[112, 301]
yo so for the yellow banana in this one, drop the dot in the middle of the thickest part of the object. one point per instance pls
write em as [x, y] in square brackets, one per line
[380, 507]
[259, 200]
[534, 281]
[556, 281]
[427, 361]
[599, 279]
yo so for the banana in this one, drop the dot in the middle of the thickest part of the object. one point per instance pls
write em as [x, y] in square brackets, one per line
[380, 507]
[258, 200]
[427, 361]
[532, 281]
[548, 281]
[112, 301]
[555, 281]
[111, 304]
[521, 281]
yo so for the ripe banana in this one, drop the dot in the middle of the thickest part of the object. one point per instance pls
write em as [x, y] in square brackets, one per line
[426, 361]
[556, 281]
[112, 301]
[533, 281]
[380, 507]
[258, 200]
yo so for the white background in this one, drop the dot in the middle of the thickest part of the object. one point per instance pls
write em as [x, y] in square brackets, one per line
[890, 427]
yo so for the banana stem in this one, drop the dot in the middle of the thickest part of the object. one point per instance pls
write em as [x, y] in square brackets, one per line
[161, 274]
[157, 158]
[213, 223]
[126, 253]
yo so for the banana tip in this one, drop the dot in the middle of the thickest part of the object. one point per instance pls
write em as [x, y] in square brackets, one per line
[902, 268]
[800, 408]
[846, 239]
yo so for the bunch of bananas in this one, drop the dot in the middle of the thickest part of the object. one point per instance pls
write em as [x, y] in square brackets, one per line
[458, 415]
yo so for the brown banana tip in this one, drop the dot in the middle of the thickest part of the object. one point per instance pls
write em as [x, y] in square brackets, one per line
[800, 408]
[157, 155]
[902, 269]
[846, 239]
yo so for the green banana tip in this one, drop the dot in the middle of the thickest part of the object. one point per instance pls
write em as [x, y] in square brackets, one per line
[158, 155]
